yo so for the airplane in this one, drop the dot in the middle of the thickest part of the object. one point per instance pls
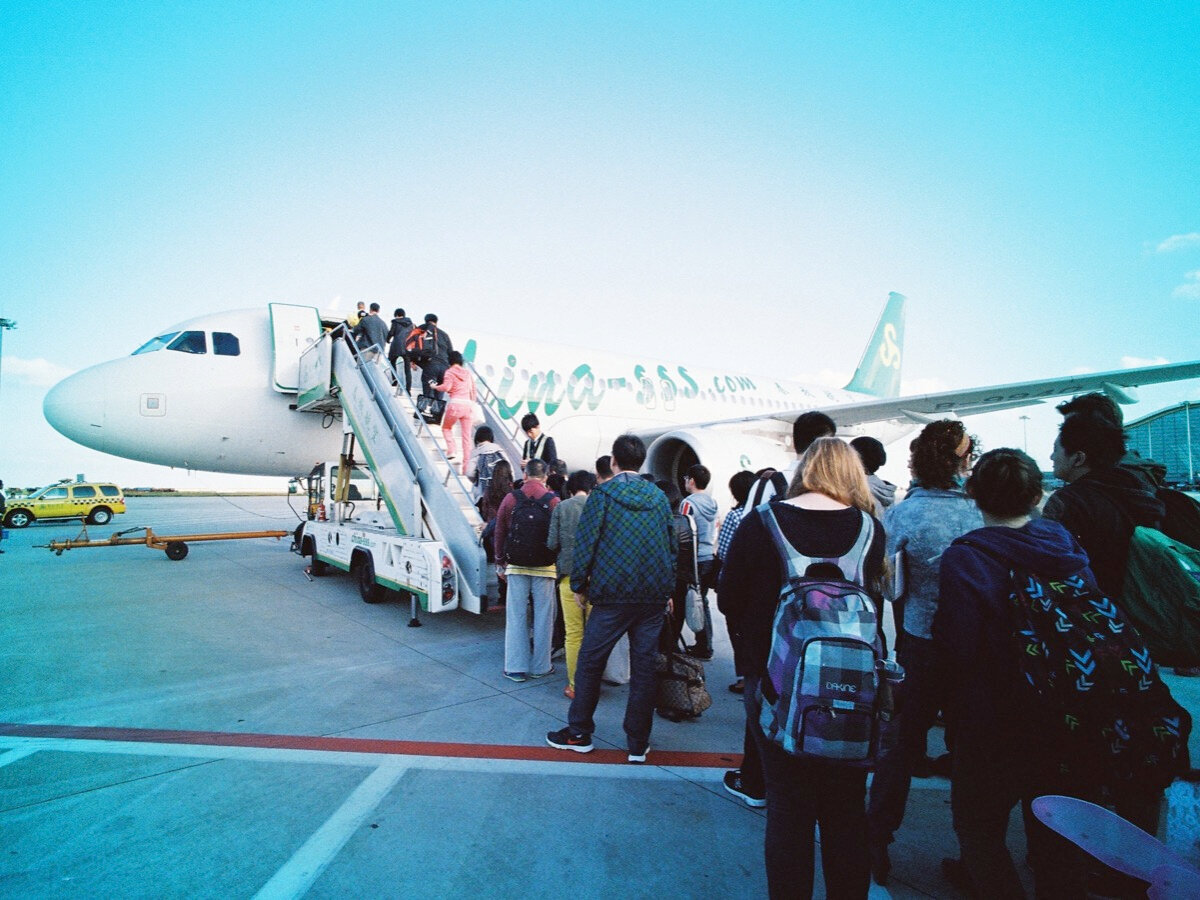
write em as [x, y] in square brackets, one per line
[219, 393]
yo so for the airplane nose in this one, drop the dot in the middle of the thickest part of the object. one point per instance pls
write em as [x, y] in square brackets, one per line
[76, 407]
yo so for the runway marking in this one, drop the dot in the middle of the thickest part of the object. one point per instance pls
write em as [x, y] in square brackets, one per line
[306, 865]
[670, 758]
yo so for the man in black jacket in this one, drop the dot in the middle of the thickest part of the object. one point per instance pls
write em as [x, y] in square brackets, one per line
[397, 337]
[1102, 503]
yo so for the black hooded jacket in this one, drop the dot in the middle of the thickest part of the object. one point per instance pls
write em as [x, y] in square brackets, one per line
[1101, 509]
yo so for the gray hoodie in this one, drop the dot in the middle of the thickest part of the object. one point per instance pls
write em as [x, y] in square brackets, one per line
[703, 509]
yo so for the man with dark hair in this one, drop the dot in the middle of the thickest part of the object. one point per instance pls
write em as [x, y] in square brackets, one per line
[808, 427]
[371, 334]
[624, 565]
[773, 483]
[703, 511]
[872, 454]
[537, 444]
[397, 336]
[1101, 503]
[604, 470]
[525, 560]
[1152, 474]
[431, 347]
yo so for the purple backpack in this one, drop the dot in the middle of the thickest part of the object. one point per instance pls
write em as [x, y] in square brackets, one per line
[821, 694]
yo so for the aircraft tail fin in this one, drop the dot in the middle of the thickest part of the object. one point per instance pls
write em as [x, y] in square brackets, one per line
[878, 373]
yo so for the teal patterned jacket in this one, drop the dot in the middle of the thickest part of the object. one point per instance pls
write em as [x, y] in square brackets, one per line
[625, 544]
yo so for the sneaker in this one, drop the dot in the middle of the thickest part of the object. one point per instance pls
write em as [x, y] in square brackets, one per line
[515, 676]
[569, 692]
[638, 757]
[733, 784]
[695, 651]
[565, 739]
[738, 687]
[541, 674]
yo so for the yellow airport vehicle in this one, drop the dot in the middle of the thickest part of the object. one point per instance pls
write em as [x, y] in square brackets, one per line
[97, 502]
[175, 546]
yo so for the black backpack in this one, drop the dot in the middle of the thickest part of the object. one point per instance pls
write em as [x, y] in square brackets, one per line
[422, 343]
[528, 530]
[1092, 689]
[1182, 519]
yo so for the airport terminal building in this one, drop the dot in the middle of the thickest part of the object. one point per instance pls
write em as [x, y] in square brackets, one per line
[1172, 437]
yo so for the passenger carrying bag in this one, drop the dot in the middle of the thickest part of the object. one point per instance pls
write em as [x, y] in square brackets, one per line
[1161, 596]
[1093, 690]
[824, 693]
[528, 530]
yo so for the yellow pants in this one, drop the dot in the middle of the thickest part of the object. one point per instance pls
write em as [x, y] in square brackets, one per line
[574, 619]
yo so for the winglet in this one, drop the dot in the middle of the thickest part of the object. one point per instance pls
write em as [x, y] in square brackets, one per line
[878, 374]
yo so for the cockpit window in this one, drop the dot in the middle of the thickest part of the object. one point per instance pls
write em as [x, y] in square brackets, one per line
[225, 344]
[189, 342]
[155, 343]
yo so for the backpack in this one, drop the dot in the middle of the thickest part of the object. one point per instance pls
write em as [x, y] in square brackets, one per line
[821, 697]
[1182, 519]
[528, 530]
[1092, 690]
[421, 343]
[1161, 596]
[485, 463]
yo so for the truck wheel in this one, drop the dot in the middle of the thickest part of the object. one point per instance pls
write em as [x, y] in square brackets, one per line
[176, 550]
[371, 591]
[316, 567]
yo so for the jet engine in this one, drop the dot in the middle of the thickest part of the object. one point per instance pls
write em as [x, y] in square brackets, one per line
[724, 453]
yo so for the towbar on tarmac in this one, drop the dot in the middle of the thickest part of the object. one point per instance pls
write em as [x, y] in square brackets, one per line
[175, 546]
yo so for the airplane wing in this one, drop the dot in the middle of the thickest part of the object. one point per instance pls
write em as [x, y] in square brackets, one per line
[923, 408]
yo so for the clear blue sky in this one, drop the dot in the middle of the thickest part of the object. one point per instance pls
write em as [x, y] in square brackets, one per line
[740, 181]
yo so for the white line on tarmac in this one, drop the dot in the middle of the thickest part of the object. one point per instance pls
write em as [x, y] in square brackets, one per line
[13, 755]
[307, 863]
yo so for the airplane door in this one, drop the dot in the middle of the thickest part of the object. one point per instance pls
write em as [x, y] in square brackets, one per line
[293, 329]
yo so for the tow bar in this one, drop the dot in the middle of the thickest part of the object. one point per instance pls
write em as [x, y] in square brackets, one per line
[175, 546]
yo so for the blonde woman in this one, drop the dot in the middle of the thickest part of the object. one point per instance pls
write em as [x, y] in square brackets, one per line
[827, 506]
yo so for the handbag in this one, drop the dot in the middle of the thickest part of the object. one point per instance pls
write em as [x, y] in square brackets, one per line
[477, 417]
[693, 609]
[431, 409]
[679, 690]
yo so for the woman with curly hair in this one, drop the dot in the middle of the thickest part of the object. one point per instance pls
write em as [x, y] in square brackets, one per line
[919, 528]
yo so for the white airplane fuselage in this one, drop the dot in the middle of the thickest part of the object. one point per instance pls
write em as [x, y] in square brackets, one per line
[220, 413]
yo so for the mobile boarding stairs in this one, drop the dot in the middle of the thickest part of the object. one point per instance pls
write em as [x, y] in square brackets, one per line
[430, 509]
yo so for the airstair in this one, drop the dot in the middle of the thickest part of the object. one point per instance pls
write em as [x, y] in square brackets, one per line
[425, 495]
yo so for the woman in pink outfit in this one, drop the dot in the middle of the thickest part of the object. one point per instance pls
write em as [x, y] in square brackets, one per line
[459, 386]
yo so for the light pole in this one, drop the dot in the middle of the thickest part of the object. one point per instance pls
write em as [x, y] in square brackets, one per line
[1025, 433]
[5, 325]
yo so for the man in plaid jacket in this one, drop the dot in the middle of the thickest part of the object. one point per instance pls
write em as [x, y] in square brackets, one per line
[625, 567]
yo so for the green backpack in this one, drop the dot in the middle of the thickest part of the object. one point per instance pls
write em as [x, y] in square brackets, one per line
[1161, 596]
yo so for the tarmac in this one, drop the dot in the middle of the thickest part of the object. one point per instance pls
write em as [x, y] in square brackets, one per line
[223, 726]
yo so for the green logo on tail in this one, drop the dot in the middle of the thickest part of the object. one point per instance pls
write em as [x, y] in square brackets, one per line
[878, 374]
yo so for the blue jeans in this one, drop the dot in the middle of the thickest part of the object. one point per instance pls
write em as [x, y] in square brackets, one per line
[605, 625]
[521, 590]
